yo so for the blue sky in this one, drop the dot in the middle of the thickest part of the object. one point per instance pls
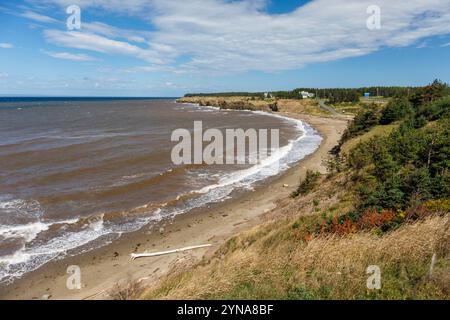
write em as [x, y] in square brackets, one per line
[171, 47]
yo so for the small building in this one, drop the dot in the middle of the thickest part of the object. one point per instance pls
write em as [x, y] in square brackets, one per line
[367, 94]
[306, 95]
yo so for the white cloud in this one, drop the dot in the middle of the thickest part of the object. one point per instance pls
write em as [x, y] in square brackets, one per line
[37, 17]
[120, 6]
[235, 37]
[69, 56]
[114, 32]
[95, 42]
[238, 36]
[5, 45]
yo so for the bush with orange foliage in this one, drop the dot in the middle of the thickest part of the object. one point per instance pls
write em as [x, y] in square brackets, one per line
[385, 219]
[368, 220]
[338, 226]
[374, 219]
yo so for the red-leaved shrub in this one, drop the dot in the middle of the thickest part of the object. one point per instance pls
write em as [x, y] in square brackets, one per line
[374, 219]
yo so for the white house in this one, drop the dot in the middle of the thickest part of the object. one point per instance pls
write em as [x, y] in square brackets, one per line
[306, 95]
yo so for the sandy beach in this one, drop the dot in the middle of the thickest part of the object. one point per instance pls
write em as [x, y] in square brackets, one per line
[103, 268]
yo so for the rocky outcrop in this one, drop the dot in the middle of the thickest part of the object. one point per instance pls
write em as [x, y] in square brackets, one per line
[232, 104]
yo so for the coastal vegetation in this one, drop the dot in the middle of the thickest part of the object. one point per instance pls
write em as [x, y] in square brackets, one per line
[385, 201]
[332, 95]
[308, 184]
[308, 106]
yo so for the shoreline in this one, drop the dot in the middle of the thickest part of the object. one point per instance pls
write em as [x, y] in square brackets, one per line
[102, 268]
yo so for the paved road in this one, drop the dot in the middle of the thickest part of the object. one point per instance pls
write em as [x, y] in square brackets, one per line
[323, 106]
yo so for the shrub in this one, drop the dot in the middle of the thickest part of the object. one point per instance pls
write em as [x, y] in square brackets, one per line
[396, 109]
[307, 185]
[363, 121]
[432, 92]
[436, 109]
[274, 106]
[439, 205]
[334, 164]
[374, 219]
[428, 208]
[360, 156]
[126, 291]
[353, 222]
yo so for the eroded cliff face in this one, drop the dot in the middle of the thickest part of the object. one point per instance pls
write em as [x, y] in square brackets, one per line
[234, 103]
[302, 106]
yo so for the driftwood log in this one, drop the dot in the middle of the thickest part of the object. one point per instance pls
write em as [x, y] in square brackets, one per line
[160, 253]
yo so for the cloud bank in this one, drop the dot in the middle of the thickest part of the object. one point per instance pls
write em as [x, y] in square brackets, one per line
[240, 36]
[69, 56]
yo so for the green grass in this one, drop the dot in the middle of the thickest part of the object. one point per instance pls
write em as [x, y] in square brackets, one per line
[352, 108]
[380, 131]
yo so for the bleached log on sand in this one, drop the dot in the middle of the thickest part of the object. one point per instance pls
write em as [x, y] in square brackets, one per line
[154, 254]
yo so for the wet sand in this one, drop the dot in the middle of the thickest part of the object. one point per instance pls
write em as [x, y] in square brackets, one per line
[103, 268]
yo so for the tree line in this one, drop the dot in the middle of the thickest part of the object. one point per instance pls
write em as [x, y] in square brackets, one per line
[332, 95]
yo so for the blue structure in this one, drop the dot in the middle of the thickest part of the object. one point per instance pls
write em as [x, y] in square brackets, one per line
[367, 94]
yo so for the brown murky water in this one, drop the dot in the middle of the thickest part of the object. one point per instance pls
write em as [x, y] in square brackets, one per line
[76, 174]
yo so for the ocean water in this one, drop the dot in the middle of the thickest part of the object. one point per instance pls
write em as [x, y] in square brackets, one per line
[75, 174]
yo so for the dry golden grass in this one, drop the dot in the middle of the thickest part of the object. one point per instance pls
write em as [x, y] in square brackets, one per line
[277, 265]
[341, 261]
[306, 106]
[126, 290]
[352, 108]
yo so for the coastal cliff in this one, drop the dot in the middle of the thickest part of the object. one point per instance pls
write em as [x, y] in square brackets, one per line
[383, 205]
[306, 106]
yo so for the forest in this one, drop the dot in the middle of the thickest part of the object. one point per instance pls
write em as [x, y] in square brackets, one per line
[403, 172]
[332, 95]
